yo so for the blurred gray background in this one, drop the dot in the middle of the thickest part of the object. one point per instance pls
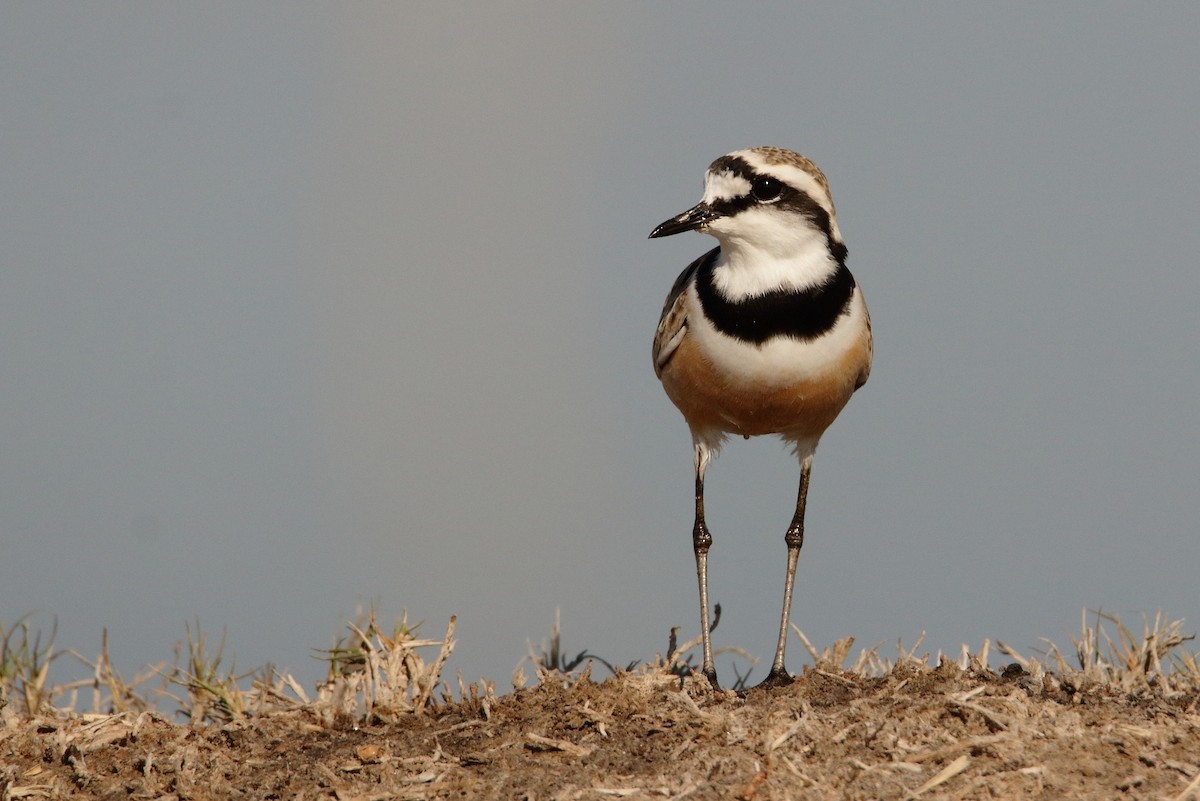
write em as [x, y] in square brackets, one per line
[309, 306]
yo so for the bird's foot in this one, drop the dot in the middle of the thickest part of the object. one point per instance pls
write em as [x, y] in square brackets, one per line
[778, 677]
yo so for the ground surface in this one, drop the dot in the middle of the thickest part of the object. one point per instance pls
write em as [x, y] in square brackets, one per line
[916, 731]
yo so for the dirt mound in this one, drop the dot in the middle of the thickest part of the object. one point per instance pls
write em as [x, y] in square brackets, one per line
[916, 731]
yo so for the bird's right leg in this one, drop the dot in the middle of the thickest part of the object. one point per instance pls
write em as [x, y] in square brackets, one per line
[701, 542]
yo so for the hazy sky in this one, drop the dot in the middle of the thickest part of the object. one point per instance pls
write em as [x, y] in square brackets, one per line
[309, 305]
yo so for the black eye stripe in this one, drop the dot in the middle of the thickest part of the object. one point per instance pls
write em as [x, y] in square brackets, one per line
[790, 198]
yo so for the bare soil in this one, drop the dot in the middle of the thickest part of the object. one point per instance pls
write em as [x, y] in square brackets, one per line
[916, 732]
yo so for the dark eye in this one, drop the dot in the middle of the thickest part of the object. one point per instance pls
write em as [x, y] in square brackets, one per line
[766, 189]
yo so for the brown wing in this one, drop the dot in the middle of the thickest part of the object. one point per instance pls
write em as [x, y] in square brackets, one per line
[673, 323]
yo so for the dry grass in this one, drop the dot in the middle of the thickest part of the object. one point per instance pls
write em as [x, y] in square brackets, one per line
[1115, 715]
[376, 674]
[25, 666]
[371, 675]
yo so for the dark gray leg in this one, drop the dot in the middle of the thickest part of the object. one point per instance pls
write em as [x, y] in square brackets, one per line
[794, 540]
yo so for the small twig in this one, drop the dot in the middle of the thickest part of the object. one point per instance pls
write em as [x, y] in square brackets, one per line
[539, 743]
[962, 745]
[834, 676]
[991, 716]
[946, 774]
[783, 738]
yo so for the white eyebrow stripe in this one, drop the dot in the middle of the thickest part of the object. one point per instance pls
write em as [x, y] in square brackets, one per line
[724, 185]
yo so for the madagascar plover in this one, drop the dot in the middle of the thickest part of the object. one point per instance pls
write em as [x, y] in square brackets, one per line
[766, 334]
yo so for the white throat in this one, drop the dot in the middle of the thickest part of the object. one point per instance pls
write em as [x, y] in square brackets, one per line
[761, 253]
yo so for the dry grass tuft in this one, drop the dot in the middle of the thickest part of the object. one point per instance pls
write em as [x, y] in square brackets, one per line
[380, 676]
[25, 666]
[551, 663]
[110, 694]
[372, 675]
[1155, 659]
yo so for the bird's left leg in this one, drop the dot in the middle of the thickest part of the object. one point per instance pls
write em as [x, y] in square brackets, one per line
[794, 540]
